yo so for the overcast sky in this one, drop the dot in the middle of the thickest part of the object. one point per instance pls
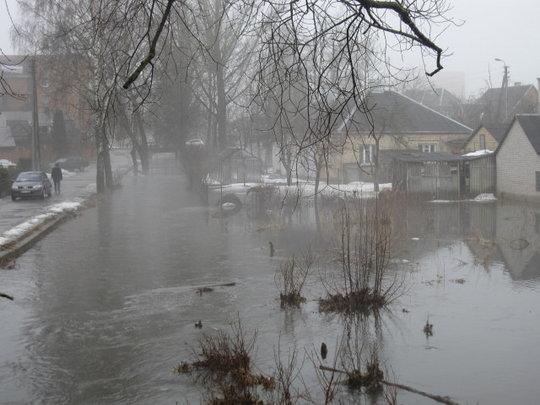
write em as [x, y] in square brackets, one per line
[492, 29]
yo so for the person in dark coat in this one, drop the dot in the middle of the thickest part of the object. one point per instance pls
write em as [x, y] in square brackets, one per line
[56, 175]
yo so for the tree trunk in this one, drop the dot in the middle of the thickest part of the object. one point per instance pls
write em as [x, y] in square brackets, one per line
[221, 107]
[376, 166]
[133, 154]
[100, 168]
[107, 167]
[143, 146]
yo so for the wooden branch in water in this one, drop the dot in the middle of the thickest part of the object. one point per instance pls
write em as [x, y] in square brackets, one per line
[437, 398]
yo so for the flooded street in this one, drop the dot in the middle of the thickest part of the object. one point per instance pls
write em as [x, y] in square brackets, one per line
[105, 306]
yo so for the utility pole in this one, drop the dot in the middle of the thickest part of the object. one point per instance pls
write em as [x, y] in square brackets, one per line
[36, 155]
[504, 91]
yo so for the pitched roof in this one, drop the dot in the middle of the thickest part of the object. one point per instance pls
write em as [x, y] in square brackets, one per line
[530, 123]
[433, 98]
[498, 131]
[531, 126]
[395, 113]
[515, 95]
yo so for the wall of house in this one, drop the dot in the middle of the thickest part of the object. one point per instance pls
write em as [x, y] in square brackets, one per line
[352, 151]
[474, 143]
[517, 162]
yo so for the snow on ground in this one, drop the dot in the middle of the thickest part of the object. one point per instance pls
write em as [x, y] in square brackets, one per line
[66, 173]
[7, 163]
[486, 197]
[305, 188]
[50, 212]
[481, 152]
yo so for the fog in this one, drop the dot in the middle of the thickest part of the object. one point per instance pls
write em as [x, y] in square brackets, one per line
[269, 202]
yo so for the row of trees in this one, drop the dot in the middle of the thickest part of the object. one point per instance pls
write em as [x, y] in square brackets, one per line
[287, 69]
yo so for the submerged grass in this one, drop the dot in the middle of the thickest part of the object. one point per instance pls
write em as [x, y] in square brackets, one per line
[224, 359]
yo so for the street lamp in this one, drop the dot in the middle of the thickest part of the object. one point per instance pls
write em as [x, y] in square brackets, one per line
[505, 87]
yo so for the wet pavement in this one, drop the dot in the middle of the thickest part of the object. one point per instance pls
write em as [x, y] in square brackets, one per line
[74, 185]
[105, 306]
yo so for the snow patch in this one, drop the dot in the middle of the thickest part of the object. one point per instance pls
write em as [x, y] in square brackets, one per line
[485, 197]
[51, 211]
[7, 163]
[480, 152]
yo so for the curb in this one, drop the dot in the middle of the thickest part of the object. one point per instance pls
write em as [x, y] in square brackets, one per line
[17, 247]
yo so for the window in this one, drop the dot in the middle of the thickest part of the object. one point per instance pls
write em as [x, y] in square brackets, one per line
[426, 147]
[367, 154]
[482, 142]
[537, 181]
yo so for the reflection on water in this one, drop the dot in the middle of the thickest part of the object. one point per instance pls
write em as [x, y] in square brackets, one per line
[105, 306]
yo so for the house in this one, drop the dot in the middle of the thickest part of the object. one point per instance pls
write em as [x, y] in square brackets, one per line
[518, 159]
[500, 105]
[485, 137]
[395, 122]
[56, 95]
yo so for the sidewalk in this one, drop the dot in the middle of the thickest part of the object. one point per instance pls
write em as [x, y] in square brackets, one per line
[75, 187]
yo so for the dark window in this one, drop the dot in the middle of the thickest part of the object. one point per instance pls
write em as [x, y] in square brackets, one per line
[537, 181]
[482, 142]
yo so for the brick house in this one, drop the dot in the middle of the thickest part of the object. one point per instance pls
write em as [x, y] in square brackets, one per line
[55, 94]
[518, 159]
[400, 123]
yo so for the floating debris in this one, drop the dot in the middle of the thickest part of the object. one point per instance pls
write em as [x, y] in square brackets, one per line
[324, 351]
[428, 328]
[519, 244]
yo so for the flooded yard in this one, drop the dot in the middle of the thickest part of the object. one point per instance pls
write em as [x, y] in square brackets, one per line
[105, 307]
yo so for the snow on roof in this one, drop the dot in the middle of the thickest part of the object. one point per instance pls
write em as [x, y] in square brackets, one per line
[480, 152]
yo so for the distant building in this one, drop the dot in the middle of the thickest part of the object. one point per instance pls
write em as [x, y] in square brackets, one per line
[400, 123]
[518, 159]
[55, 94]
[499, 106]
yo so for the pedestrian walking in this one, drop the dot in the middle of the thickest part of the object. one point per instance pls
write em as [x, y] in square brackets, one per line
[56, 174]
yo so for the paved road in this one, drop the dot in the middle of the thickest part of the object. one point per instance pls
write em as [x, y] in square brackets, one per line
[74, 186]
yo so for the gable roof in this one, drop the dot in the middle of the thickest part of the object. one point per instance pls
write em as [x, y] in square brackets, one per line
[498, 131]
[530, 123]
[515, 95]
[433, 98]
[395, 113]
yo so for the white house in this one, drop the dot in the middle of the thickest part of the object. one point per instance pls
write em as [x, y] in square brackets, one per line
[518, 159]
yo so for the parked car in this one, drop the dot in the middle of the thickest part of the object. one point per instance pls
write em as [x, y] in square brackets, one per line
[73, 163]
[31, 184]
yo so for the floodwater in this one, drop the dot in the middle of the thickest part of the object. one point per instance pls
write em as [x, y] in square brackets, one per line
[105, 306]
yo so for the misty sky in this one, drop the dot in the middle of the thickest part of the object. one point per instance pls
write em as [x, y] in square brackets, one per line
[493, 29]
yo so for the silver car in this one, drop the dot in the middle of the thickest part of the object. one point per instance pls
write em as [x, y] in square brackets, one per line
[31, 184]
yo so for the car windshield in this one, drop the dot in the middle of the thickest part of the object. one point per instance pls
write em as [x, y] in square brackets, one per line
[29, 176]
